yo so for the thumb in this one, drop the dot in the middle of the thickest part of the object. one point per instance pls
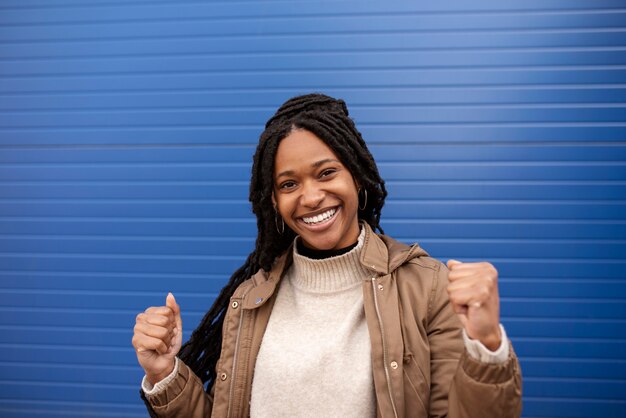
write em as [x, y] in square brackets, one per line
[452, 263]
[170, 302]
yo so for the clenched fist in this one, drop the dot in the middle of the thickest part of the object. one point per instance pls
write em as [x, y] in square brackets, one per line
[158, 338]
[473, 292]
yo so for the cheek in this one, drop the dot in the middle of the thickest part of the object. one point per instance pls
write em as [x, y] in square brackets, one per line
[285, 205]
[352, 196]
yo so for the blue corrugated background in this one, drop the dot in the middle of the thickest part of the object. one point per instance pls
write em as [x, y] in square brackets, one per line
[126, 135]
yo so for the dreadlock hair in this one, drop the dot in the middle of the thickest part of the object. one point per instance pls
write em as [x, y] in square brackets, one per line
[329, 120]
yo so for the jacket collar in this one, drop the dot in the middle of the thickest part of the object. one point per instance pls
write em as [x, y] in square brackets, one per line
[380, 253]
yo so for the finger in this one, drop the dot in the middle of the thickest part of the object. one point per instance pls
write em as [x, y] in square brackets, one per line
[458, 274]
[167, 321]
[159, 320]
[451, 263]
[462, 267]
[144, 343]
[484, 266]
[165, 334]
[469, 297]
[460, 285]
[160, 310]
[170, 301]
[471, 280]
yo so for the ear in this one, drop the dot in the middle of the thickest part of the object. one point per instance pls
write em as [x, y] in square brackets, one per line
[274, 202]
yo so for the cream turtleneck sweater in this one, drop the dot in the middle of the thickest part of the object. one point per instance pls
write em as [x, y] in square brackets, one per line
[315, 358]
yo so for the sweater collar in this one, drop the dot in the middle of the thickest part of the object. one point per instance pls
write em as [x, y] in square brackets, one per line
[380, 254]
[331, 274]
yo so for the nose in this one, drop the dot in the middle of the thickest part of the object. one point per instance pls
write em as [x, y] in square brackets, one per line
[312, 196]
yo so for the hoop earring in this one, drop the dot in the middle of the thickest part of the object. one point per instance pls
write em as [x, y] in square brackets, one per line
[279, 230]
[365, 202]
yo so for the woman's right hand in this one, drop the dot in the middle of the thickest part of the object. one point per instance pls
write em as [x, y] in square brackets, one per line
[158, 338]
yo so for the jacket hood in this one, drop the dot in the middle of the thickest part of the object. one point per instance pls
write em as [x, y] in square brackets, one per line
[384, 254]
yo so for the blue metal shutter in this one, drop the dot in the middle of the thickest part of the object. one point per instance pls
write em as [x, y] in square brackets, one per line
[126, 135]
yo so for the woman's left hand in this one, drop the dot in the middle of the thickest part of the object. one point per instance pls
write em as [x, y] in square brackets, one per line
[473, 291]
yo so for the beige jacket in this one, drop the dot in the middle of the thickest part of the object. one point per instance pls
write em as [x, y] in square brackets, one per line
[420, 365]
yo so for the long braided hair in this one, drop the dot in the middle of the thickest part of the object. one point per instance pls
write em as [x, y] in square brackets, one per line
[328, 119]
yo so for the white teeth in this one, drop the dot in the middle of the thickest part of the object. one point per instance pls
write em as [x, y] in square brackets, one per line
[319, 218]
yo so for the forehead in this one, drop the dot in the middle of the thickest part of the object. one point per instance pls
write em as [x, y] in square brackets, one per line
[301, 149]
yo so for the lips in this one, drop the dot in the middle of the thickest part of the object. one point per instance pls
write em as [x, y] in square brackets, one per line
[320, 221]
[316, 219]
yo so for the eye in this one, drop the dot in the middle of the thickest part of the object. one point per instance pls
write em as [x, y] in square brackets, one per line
[287, 184]
[327, 172]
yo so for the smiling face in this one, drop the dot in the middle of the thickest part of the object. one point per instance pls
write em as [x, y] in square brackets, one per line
[315, 193]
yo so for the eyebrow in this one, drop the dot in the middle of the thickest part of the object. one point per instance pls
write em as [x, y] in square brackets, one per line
[314, 165]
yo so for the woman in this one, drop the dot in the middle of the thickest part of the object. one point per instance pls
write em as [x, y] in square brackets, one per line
[325, 317]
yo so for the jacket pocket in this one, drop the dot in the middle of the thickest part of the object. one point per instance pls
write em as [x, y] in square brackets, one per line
[416, 388]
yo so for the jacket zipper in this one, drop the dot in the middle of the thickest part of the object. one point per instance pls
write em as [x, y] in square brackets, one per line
[382, 332]
[232, 374]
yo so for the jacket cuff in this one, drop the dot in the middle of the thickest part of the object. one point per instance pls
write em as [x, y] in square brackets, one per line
[172, 390]
[479, 352]
[489, 373]
[150, 390]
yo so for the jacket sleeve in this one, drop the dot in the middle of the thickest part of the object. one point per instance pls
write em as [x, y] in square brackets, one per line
[464, 387]
[183, 397]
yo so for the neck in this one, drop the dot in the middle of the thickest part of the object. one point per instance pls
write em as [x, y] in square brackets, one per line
[321, 254]
[331, 274]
